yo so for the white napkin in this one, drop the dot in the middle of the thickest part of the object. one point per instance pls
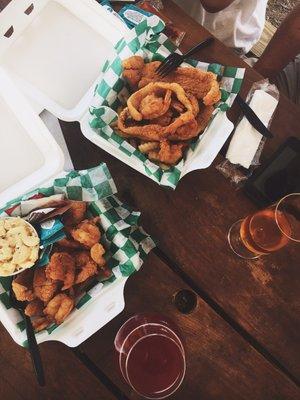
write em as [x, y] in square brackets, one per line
[246, 139]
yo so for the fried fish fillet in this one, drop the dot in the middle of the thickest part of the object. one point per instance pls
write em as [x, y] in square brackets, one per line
[203, 85]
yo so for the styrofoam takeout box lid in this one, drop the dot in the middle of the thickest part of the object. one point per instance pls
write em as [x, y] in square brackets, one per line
[55, 52]
[28, 153]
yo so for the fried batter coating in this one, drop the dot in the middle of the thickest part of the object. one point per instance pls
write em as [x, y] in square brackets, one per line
[75, 214]
[156, 88]
[97, 253]
[34, 308]
[168, 154]
[202, 84]
[186, 131]
[44, 287]
[133, 62]
[59, 308]
[86, 233]
[61, 268]
[40, 323]
[22, 286]
[133, 70]
[69, 244]
[203, 117]
[155, 132]
[156, 117]
[148, 146]
[85, 266]
[150, 102]
[165, 119]
[148, 73]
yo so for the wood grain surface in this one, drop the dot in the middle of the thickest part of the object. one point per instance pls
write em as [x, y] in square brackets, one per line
[66, 377]
[242, 340]
[220, 364]
[191, 225]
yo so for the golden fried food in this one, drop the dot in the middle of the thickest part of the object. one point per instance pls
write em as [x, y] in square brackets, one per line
[166, 118]
[44, 287]
[75, 214]
[69, 244]
[61, 268]
[168, 153]
[157, 88]
[41, 323]
[97, 253]
[186, 131]
[85, 266]
[146, 147]
[176, 108]
[203, 117]
[150, 102]
[133, 70]
[87, 233]
[22, 286]
[34, 308]
[59, 308]
[203, 85]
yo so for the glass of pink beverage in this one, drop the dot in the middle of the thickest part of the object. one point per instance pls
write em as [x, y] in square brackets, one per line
[151, 355]
[268, 230]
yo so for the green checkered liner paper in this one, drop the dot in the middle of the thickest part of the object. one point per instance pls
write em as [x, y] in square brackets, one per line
[147, 41]
[126, 243]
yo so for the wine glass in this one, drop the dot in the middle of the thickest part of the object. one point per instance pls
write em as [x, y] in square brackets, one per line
[268, 230]
[151, 355]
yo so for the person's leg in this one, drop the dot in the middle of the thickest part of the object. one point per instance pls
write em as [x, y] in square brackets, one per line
[288, 80]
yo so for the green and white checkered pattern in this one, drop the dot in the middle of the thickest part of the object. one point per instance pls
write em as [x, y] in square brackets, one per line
[126, 242]
[148, 41]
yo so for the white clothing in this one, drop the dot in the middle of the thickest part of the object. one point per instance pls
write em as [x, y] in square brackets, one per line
[239, 25]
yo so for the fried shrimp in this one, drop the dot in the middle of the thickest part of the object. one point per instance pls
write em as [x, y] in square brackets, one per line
[22, 286]
[97, 253]
[34, 308]
[168, 153]
[40, 323]
[44, 287]
[75, 213]
[85, 266]
[133, 70]
[86, 233]
[59, 308]
[69, 244]
[61, 268]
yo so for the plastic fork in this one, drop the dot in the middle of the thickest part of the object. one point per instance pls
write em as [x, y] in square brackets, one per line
[174, 60]
[32, 344]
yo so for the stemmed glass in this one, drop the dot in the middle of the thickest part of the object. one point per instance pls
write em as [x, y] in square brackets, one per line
[268, 230]
[151, 355]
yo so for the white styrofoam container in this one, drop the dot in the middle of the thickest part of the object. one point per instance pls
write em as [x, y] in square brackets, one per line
[51, 51]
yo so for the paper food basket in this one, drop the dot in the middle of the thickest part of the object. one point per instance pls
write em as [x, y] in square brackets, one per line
[46, 46]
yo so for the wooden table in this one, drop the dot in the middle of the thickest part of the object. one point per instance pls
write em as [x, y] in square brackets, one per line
[242, 339]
